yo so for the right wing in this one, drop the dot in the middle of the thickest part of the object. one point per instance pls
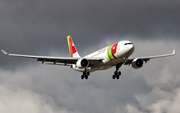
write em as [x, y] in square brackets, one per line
[66, 61]
[147, 58]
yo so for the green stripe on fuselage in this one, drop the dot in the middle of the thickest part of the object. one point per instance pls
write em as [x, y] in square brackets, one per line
[109, 53]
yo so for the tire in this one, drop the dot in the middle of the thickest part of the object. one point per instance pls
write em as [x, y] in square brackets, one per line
[88, 73]
[117, 76]
[113, 77]
[119, 73]
[82, 76]
[86, 77]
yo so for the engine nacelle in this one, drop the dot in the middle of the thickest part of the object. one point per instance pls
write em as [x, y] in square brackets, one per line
[137, 63]
[82, 63]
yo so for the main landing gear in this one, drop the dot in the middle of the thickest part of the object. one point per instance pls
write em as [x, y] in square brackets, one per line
[117, 73]
[85, 75]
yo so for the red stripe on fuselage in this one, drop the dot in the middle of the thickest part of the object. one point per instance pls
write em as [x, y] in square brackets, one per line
[114, 49]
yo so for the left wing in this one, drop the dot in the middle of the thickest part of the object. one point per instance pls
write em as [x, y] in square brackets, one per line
[147, 58]
[66, 61]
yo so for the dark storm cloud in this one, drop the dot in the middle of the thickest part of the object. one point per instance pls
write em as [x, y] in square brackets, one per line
[47, 23]
[34, 27]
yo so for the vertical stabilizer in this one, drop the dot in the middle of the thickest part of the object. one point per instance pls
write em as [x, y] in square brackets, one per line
[72, 49]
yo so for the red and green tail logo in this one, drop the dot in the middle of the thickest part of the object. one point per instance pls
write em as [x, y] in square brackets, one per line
[72, 49]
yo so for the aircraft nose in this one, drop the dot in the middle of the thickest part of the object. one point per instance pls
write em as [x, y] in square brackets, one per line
[130, 49]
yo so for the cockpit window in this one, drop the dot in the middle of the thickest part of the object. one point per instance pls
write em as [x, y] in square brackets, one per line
[128, 43]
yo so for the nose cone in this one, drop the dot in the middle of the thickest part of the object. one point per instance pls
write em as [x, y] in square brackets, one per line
[125, 49]
[129, 49]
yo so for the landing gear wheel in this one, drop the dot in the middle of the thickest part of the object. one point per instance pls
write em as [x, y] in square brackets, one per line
[119, 73]
[88, 73]
[86, 77]
[117, 76]
[113, 77]
[82, 76]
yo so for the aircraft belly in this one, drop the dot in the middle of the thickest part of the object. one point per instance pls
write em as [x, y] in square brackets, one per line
[103, 67]
[107, 65]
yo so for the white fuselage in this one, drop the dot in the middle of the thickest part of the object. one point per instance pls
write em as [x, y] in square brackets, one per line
[111, 55]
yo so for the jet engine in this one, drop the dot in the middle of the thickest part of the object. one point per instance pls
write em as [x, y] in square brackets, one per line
[82, 63]
[137, 63]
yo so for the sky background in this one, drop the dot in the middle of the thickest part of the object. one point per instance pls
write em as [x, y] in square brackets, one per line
[40, 28]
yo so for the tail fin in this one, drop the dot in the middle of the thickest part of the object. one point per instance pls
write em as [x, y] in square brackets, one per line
[72, 49]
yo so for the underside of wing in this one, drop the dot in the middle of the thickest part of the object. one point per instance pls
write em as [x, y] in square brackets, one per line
[66, 61]
[58, 60]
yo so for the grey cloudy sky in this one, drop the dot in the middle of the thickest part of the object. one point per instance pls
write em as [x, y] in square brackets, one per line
[40, 28]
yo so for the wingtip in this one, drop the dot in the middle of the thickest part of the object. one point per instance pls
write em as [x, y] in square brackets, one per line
[4, 52]
[174, 51]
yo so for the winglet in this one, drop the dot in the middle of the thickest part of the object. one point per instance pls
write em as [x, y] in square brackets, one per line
[4, 52]
[174, 52]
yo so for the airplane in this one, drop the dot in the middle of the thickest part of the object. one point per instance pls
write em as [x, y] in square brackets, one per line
[117, 54]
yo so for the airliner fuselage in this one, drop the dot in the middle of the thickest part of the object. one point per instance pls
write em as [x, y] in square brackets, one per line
[111, 55]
